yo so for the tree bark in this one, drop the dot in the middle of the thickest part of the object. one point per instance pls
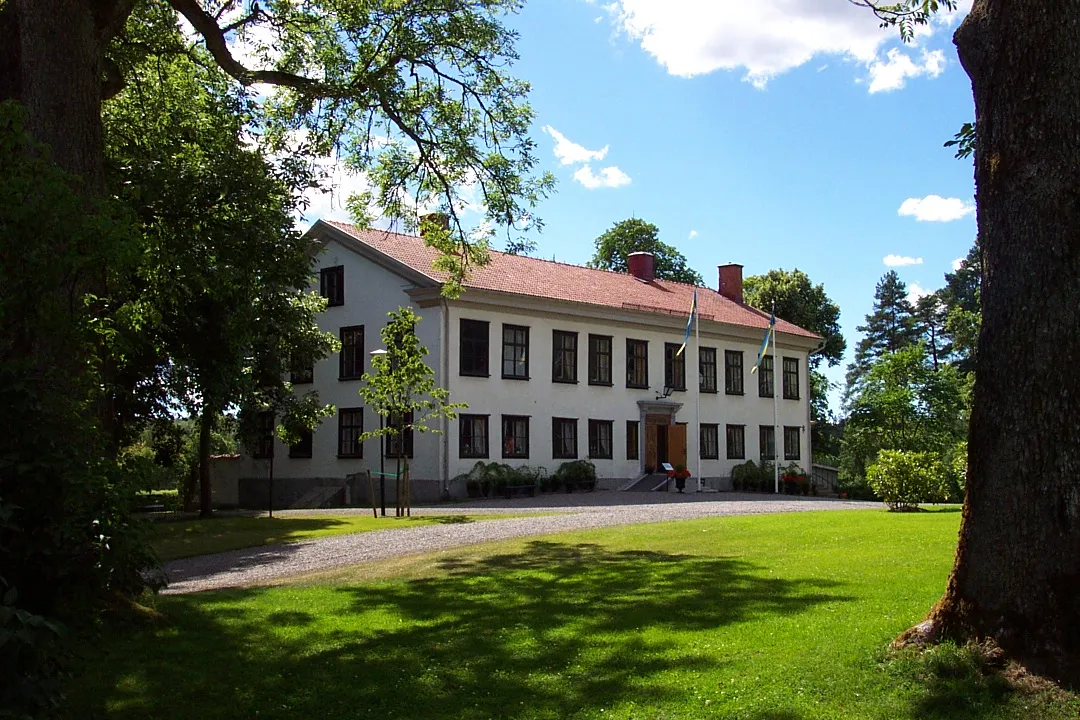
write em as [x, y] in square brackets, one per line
[206, 490]
[1016, 577]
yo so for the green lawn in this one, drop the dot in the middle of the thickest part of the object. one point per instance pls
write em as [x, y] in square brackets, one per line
[187, 538]
[775, 617]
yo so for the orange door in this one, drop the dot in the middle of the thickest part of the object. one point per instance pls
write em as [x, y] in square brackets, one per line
[650, 447]
[676, 435]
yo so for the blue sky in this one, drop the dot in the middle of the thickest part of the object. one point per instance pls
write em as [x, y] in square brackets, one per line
[798, 165]
[772, 133]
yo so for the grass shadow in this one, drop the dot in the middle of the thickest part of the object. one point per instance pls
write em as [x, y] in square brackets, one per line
[551, 632]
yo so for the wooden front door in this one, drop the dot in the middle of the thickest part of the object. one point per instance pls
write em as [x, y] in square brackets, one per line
[650, 446]
[676, 445]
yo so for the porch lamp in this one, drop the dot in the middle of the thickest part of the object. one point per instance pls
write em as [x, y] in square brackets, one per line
[382, 477]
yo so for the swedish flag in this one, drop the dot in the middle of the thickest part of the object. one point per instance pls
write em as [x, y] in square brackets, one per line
[689, 324]
[765, 342]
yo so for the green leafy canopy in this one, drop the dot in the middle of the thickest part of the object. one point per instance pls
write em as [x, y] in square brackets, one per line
[636, 235]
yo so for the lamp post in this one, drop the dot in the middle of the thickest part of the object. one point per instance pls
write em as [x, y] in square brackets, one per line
[382, 476]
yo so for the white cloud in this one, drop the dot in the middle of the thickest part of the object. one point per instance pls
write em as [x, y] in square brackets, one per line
[915, 291]
[693, 234]
[900, 261]
[956, 264]
[892, 73]
[763, 38]
[934, 208]
[570, 153]
[611, 177]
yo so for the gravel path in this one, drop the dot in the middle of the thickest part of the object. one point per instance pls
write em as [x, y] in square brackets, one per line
[254, 566]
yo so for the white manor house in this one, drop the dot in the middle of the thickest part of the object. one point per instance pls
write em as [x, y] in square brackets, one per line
[554, 361]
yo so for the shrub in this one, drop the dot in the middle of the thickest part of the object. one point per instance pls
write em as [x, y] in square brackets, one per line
[745, 476]
[904, 479]
[954, 475]
[576, 473]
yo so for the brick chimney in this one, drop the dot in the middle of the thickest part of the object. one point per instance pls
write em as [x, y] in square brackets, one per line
[731, 282]
[440, 221]
[642, 265]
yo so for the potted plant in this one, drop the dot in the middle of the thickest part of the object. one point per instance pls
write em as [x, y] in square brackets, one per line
[680, 473]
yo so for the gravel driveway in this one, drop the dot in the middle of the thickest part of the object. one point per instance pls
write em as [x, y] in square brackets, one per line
[580, 511]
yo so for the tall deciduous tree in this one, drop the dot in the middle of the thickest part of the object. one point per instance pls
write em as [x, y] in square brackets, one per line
[402, 387]
[1017, 563]
[635, 235]
[799, 301]
[221, 286]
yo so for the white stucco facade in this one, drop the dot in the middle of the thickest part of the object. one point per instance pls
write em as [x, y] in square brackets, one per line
[374, 285]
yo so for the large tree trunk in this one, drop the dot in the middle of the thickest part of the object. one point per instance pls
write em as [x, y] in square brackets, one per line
[1017, 572]
[206, 490]
[52, 64]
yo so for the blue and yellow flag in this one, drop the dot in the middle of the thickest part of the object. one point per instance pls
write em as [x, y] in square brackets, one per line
[765, 342]
[689, 324]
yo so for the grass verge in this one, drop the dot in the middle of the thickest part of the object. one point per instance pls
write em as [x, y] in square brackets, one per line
[188, 538]
[774, 617]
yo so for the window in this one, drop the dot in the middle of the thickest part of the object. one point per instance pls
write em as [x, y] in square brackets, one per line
[350, 425]
[733, 372]
[302, 449]
[631, 439]
[400, 444]
[302, 375]
[264, 445]
[707, 370]
[600, 439]
[474, 348]
[473, 436]
[351, 357]
[515, 436]
[674, 367]
[792, 437]
[767, 442]
[332, 285]
[563, 438]
[765, 378]
[791, 378]
[563, 356]
[736, 442]
[637, 364]
[600, 360]
[709, 447]
[515, 352]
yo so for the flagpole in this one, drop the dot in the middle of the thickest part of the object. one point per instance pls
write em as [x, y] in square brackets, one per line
[697, 342]
[775, 408]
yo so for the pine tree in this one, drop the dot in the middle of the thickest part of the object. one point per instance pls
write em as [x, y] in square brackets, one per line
[962, 297]
[890, 327]
[931, 314]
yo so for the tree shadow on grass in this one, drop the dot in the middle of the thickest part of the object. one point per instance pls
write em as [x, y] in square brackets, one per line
[552, 632]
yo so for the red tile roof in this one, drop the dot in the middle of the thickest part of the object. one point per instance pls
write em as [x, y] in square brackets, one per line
[521, 275]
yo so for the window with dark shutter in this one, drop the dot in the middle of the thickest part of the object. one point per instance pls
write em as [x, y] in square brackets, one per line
[600, 432]
[350, 427]
[791, 378]
[767, 442]
[474, 348]
[332, 285]
[736, 442]
[515, 352]
[600, 359]
[563, 356]
[733, 372]
[637, 364]
[399, 444]
[302, 449]
[515, 436]
[351, 357]
[563, 438]
[792, 438]
[264, 444]
[707, 370]
[473, 436]
[674, 367]
[765, 377]
[710, 441]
